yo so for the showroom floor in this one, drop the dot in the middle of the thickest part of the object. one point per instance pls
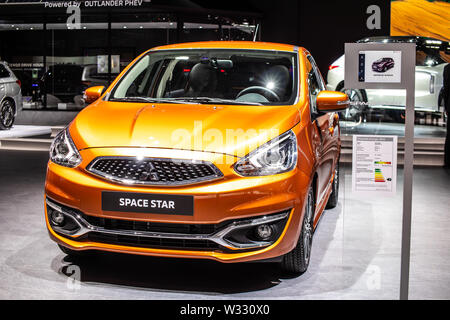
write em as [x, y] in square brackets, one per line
[355, 251]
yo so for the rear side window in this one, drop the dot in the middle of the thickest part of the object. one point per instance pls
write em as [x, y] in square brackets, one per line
[3, 72]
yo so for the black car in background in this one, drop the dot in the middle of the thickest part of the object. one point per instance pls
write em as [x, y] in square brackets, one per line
[62, 82]
[383, 64]
[66, 83]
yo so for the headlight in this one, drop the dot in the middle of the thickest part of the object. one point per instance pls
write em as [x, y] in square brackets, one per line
[276, 156]
[63, 150]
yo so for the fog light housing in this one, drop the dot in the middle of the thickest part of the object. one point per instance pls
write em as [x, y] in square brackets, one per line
[57, 218]
[264, 232]
[257, 232]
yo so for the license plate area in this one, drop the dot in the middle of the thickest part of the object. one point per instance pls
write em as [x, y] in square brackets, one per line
[148, 203]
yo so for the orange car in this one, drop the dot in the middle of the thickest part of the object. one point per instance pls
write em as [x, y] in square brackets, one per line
[219, 150]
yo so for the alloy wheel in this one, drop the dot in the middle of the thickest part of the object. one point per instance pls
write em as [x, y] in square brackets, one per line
[6, 114]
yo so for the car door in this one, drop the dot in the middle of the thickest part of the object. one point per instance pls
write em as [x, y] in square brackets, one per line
[325, 124]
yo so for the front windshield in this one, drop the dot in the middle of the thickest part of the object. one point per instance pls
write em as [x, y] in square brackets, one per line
[227, 76]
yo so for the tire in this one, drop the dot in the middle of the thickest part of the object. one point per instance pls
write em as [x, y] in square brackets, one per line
[74, 253]
[7, 111]
[334, 196]
[297, 261]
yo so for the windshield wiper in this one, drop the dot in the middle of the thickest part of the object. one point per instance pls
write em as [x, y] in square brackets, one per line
[216, 100]
[198, 100]
[146, 99]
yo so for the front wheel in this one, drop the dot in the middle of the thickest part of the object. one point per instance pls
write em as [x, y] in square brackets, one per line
[333, 199]
[6, 114]
[297, 260]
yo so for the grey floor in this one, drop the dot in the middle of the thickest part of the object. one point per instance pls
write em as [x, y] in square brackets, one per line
[356, 251]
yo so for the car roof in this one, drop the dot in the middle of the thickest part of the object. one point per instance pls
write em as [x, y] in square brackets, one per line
[230, 45]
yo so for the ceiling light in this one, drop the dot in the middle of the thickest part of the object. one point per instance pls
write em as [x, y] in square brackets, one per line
[270, 85]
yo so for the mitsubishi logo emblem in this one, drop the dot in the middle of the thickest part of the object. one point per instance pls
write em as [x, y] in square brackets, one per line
[149, 173]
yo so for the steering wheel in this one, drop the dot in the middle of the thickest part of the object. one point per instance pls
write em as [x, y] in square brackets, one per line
[271, 94]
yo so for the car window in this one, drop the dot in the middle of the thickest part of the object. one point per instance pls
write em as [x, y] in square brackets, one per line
[235, 75]
[4, 73]
[315, 84]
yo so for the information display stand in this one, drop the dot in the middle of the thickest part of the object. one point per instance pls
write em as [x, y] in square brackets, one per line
[390, 66]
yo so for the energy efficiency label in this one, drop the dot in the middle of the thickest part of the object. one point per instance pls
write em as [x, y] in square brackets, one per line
[374, 166]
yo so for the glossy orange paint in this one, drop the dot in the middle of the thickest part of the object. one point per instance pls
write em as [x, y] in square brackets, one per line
[332, 101]
[93, 93]
[122, 129]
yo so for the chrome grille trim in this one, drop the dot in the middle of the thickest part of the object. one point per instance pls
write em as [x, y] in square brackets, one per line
[214, 172]
[217, 237]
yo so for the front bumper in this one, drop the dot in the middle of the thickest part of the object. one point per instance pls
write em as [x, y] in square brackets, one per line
[232, 198]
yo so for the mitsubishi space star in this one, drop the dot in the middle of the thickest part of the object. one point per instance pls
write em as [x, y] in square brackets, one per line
[215, 150]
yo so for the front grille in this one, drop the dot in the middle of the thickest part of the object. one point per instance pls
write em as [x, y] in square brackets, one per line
[153, 171]
[131, 225]
[145, 242]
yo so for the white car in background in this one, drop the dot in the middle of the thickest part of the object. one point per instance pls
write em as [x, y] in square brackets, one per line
[10, 96]
[431, 57]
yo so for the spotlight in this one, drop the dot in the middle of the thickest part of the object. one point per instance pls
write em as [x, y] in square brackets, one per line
[270, 85]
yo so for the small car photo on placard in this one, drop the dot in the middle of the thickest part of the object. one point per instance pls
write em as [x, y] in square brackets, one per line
[383, 64]
[379, 66]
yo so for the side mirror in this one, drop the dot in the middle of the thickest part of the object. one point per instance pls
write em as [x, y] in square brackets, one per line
[331, 101]
[93, 93]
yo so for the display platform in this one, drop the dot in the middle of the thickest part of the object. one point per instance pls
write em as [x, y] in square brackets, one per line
[22, 131]
[45, 118]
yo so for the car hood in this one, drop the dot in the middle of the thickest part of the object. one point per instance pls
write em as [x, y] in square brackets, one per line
[229, 129]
